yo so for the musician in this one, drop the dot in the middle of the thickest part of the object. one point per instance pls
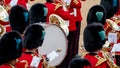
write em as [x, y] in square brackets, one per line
[117, 53]
[75, 10]
[63, 12]
[10, 49]
[109, 28]
[94, 39]
[19, 18]
[38, 13]
[33, 38]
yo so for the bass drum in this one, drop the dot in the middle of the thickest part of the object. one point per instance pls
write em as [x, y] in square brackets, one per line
[54, 45]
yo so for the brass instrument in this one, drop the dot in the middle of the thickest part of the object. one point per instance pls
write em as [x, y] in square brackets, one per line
[113, 25]
[55, 19]
[109, 59]
[6, 7]
[2, 30]
[3, 14]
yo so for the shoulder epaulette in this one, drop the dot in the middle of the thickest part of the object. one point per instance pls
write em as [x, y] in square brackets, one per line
[57, 6]
[75, 1]
[100, 60]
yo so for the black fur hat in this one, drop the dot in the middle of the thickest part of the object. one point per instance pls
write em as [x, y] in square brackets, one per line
[79, 62]
[49, 1]
[116, 5]
[38, 13]
[34, 36]
[10, 47]
[96, 14]
[109, 7]
[94, 37]
[19, 18]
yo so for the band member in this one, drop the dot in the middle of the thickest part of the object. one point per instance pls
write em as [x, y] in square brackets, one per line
[117, 21]
[10, 49]
[64, 13]
[33, 38]
[18, 18]
[17, 2]
[38, 13]
[94, 38]
[75, 10]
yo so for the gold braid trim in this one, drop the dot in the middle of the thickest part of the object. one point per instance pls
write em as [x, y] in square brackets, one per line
[57, 6]
[2, 30]
[100, 60]
[75, 1]
[26, 63]
[110, 62]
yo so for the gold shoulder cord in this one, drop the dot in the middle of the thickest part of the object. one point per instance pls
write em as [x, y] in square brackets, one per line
[75, 1]
[2, 30]
[26, 63]
[11, 65]
[57, 6]
[100, 60]
[110, 62]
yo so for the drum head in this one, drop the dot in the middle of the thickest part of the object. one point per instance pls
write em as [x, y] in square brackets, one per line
[55, 40]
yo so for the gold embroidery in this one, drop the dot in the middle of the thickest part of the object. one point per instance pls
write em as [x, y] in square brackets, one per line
[26, 63]
[100, 60]
[57, 6]
[75, 1]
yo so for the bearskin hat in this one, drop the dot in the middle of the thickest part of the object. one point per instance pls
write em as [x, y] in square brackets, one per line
[34, 36]
[10, 47]
[79, 62]
[96, 14]
[94, 37]
[108, 5]
[19, 18]
[116, 5]
[38, 13]
[49, 1]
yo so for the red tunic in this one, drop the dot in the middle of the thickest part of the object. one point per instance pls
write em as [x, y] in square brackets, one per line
[66, 16]
[94, 61]
[27, 57]
[51, 8]
[6, 66]
[77, 6]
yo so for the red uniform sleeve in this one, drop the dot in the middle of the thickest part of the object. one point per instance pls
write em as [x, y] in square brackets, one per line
[7, 1]
[75, 4]
[64, 14]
